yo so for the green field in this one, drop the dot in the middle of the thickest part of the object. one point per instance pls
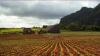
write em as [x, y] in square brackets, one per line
[65, 33]
[14, 30]
[10, 30]
[79, 33]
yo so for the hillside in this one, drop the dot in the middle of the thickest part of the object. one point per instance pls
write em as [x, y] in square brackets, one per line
[84, 19]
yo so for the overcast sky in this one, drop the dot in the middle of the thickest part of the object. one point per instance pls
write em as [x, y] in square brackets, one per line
[14, 13]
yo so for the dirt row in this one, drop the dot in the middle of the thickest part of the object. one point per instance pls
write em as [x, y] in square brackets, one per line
[55, 46]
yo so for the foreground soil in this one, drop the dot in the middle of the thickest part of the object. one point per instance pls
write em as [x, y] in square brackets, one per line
[49, 45]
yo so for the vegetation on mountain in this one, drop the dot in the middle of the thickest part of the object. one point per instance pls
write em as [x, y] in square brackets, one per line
[85, 19]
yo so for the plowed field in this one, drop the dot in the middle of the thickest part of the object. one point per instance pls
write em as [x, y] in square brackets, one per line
[49, 45]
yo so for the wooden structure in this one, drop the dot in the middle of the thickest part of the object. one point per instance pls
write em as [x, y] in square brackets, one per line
[27, 31]
[50, 29]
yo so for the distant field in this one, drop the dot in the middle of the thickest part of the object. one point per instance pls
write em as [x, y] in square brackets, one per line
[65, 33]
[10, 30]
[14, 30]
[79, 33]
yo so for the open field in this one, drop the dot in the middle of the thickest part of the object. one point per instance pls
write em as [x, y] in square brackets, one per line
[10, 30]
[74, 44]
[15, 30]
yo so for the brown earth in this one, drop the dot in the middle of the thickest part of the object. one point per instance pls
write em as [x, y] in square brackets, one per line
[49, 45]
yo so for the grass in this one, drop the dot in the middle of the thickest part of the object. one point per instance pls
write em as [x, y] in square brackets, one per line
[64, 33]
[79, 33]
[10, 30]
[15, 30]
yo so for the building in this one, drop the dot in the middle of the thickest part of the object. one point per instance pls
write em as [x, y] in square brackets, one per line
[27, 31]
[50, 29]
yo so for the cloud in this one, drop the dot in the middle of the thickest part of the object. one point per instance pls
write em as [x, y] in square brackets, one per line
[36, 13]
[14, 21]
[41, 9]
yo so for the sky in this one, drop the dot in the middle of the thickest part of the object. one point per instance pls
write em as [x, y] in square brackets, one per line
[29, 13]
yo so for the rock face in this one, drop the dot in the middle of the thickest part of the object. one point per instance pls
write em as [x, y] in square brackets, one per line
[84, 17]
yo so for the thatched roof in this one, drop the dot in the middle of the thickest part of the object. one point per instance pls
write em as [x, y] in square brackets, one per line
[27, 30]
[52, 29]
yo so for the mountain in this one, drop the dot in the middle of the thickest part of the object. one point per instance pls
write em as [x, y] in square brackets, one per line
[84, 19]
